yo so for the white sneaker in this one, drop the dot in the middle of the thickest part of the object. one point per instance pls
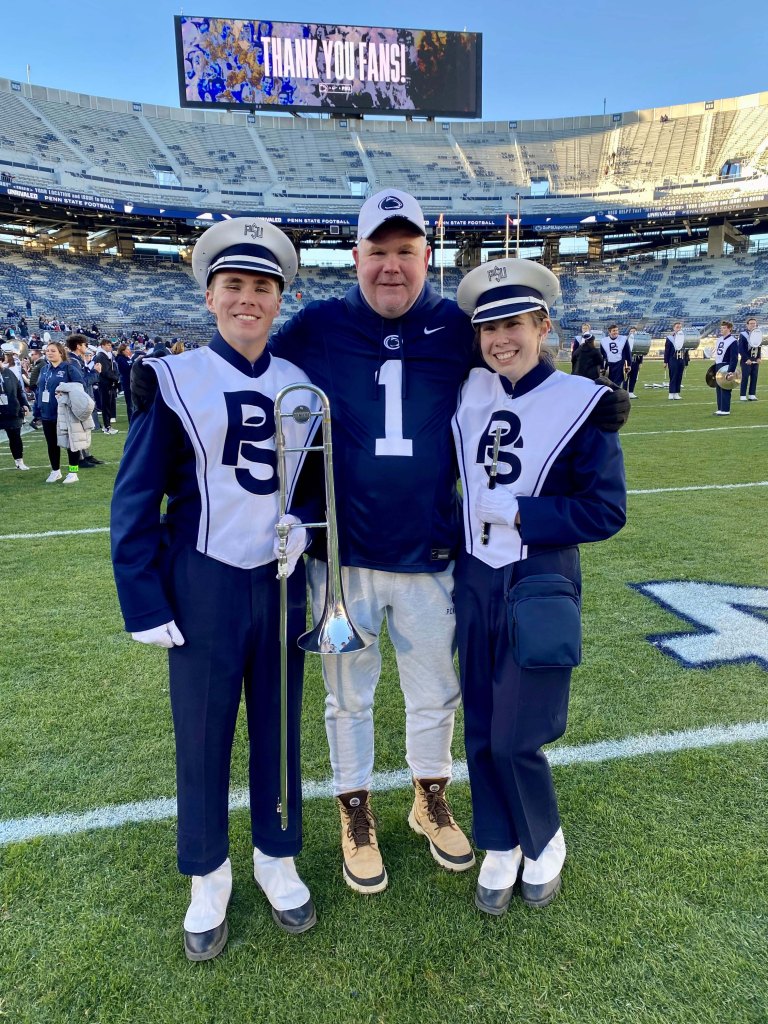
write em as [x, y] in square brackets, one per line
[743, 398]
[678, 398]
[671, 397]
[753, 398]
[53, 476]
[20, 464]
[111, 430]
[632, 394]
[71, 478]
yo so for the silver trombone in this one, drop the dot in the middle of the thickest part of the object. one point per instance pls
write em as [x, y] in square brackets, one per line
[335, 633]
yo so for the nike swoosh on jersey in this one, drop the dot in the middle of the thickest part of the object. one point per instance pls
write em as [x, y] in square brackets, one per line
[427, 330]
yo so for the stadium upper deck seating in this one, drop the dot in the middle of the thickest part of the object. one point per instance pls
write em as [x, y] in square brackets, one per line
[229, 160]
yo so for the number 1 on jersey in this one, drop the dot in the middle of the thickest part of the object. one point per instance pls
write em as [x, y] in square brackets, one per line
[393, 442]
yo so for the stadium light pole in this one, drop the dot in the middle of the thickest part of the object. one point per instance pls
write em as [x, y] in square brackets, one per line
[517, 252]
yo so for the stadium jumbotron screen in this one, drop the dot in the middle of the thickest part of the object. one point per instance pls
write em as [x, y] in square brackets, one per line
[350, 69]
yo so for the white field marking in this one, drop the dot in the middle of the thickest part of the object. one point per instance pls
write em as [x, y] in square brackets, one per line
[692, 430]
[653, 490]
[52, 533]
[695, 487]
[21, 830]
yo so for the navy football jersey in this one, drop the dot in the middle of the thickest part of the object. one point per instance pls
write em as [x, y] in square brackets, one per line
[393, 387]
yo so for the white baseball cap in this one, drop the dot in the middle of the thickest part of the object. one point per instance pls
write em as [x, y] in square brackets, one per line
[502, 288]
[389, 204]
[244, 243]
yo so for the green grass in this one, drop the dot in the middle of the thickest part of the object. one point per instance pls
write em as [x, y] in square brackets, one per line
[664, 911]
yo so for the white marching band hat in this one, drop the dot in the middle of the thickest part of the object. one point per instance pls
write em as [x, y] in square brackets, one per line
[244, 243]
[502, 288]
[390, 204]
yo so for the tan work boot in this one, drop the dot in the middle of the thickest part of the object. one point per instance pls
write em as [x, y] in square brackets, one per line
[431, 817]
[363, 867]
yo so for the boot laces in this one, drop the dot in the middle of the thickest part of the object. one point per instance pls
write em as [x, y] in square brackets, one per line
[361, 822]
[438, 809]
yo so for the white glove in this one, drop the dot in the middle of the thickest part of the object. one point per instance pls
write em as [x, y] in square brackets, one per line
[496, 506]
[161, 636]
[296, 545]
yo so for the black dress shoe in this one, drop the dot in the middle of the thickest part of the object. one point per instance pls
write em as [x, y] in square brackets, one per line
[296, 921]
[96, 462]
[206, 945]
[87, 464]
[540, 895]
[493, 901]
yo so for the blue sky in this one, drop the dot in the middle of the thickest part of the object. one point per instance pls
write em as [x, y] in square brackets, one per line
[539, 61]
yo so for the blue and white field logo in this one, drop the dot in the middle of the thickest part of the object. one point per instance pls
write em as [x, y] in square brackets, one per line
[730, 620]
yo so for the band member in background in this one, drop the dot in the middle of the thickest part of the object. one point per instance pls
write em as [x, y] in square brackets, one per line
[750, 350]
[560, 483]
[675, 359]
[203, 583]
[726, 358]
[616, 354]
[636, 360]
[586, 332]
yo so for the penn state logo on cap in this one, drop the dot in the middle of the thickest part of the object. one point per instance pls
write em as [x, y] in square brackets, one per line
[244, 243]
[504, 288]
[386, 205]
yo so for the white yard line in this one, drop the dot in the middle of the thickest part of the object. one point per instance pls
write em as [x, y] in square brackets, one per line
[692, 430]
[20, 830]
[696, 487]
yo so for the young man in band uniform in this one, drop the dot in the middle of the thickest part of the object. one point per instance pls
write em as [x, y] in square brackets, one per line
[203, 583]
[751, 352]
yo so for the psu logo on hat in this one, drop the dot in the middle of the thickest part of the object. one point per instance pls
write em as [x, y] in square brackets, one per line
[390, 203]
[253, 231]
[497, 274]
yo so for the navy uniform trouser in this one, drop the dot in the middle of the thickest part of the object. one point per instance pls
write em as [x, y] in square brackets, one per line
[676, 368]
[230, 620]
[749, 379]
[723, 395]
[509, 712]
[616, 372]
[634, 370]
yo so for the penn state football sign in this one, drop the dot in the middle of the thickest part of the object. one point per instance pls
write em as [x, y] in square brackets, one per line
[730, 624]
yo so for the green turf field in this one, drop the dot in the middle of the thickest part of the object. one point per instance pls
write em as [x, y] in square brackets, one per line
[663, 916]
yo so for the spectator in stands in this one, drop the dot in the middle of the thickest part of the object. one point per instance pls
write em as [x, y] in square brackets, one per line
[14, 405]
[124, 360]
[159, 348]
[77, 344]
[751, 352]
[587, 358]
[23, 327]
[57, 370]
[177, 348]
[105, 365]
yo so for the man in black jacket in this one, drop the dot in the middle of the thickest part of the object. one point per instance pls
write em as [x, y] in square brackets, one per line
[105, 365]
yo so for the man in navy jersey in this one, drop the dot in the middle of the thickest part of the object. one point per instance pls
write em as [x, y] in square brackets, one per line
[391, 355]
[201, 581]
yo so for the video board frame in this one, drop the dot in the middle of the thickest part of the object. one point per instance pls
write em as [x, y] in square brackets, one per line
[439, 73]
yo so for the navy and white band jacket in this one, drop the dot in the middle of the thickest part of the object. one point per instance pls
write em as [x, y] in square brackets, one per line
[207, 441]
[392, 385]
[616, 350]
[750, 346]
[674, 347]
[727, 353]
[567, 475]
